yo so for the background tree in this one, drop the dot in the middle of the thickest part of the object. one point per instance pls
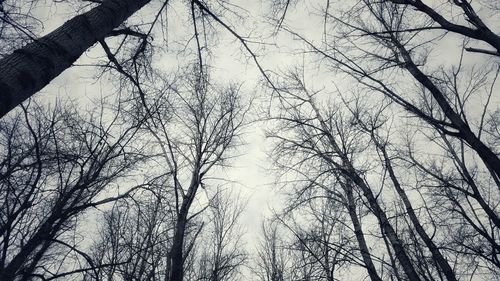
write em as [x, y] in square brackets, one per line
[133, 238]
[192, 128]
[306, 133]
[222, 254]
[272, 261]
[432, 61]
[319, 242]
[209, 119]
[55, 165]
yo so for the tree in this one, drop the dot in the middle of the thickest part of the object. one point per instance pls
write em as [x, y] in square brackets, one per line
[191, 129]
[390, 168]
[223, 254]
[29, 69]
[395, 29]
[319, 245]
[18, 25]
[133, 238]
[434, 61]
[272, 259]
[389, 37]
[209, 118]
[349, 151]
[56, 165]
[381, 145]
[329, 138]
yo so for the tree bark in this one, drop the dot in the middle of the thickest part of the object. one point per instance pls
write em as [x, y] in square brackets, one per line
[29, 69]
[176, 252]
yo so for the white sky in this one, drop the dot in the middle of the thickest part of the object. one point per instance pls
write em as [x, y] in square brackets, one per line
[250, 173]
[251, 170]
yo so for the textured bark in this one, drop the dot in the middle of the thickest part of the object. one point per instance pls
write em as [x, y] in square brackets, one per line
[29, 69]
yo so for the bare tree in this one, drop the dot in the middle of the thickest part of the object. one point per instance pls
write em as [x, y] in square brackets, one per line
[316, 138]
[55, 165]
[206, 125]
[272, 260]
[18, 25]
[370, 126]
[192, 128]
[222, 250]
[391, 37]
[31, 68]
[320, 242]
[435, 61]
[134, 237]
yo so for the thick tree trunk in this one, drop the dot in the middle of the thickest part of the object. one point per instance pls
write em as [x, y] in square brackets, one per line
[176, 252]
[29, 69]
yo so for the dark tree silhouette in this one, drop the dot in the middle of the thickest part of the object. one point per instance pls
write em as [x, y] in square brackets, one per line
[55, 165]
[29, 69]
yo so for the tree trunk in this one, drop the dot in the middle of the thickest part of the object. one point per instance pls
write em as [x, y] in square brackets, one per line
[396, 243]
[489, 157]
[29, 69]
[360, 237]
[176, 252]
[31, 248]
[349, 172]
[470, 180]
[482, 32]
[436, 254]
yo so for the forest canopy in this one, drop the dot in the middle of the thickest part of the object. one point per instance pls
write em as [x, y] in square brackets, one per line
[249, 140]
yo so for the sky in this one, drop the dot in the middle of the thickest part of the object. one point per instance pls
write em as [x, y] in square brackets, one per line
[251, 172]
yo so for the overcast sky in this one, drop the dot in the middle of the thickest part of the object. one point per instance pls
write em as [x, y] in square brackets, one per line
[251, 173]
